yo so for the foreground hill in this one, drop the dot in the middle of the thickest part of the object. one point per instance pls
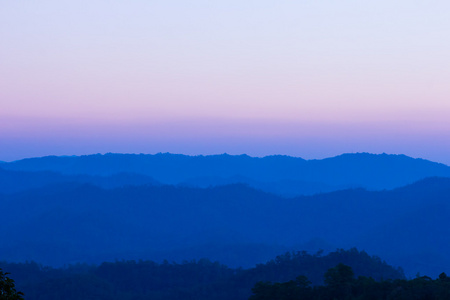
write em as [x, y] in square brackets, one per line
[234, 224]
[348, 170]
[341, 283]
[197, 280]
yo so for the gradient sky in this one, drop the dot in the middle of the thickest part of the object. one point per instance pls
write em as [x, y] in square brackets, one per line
[303, 78]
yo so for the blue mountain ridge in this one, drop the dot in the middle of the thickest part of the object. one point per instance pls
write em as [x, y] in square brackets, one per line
[284, 173]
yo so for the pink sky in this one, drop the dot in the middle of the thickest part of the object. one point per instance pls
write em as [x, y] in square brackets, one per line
[258, 77]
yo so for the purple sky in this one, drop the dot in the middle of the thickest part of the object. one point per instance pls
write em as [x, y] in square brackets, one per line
[303, 78]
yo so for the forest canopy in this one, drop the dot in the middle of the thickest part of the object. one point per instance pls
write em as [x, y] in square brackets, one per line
[196, 279]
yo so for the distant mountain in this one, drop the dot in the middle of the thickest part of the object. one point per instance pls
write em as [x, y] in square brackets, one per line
[348, 170]
[71, 222]
[15, 181]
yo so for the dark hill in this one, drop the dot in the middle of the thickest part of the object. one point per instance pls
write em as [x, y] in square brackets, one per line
[201, 279]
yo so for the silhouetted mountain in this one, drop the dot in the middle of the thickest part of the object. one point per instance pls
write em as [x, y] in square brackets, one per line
[201, 279]
[362, 169]
[15, 181]
[290, 265]
[81, 223]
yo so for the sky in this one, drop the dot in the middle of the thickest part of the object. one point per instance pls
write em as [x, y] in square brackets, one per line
[305, 78]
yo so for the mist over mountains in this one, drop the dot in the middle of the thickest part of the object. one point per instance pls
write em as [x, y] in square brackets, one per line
[91, 211]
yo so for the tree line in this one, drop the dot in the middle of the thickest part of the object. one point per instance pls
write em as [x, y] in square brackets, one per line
[197, 279]
[341, 284]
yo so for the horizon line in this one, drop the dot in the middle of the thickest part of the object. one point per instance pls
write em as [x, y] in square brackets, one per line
[224, 154]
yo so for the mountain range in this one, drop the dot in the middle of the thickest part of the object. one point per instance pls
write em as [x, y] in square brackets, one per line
[236, 209]
[281, 175]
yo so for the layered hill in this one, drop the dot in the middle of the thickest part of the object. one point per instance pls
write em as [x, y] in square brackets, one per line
[16, 181]
[235, 224]
[282, 175]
